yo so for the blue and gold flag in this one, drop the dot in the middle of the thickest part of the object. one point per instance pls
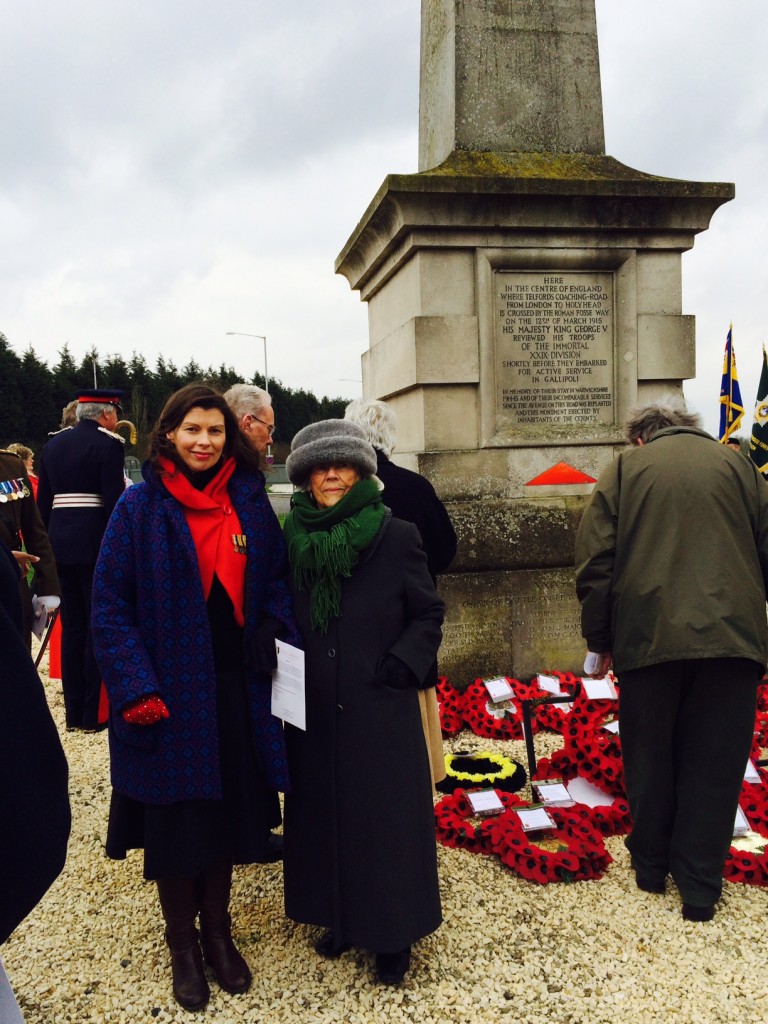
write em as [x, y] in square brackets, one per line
[731, 406]
[758, 443]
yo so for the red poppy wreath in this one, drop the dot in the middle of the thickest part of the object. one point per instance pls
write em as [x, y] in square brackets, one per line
[450, 703]
[611, 819]
[573, 851]
[454, 828]
[502, 721]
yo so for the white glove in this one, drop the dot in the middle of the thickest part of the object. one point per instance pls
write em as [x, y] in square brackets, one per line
[591, 663]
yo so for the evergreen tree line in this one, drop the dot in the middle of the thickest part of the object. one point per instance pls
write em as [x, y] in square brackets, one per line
[33, 396]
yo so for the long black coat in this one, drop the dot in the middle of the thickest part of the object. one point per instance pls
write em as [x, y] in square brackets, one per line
[21, 518]
[360, 853]
[412, 497]
[34, 801]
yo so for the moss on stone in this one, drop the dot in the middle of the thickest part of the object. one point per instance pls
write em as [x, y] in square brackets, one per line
[562, 166]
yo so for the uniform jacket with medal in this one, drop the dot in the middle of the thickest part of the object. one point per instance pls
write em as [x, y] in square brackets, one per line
[19, 516]
[87, 459]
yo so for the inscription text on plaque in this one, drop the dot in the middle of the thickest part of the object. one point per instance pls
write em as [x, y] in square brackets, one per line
[553, 355]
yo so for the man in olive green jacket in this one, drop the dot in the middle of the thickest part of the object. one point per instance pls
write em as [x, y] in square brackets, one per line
[672, 572]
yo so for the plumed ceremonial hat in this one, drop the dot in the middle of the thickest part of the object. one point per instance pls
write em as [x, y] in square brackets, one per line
[329, 441]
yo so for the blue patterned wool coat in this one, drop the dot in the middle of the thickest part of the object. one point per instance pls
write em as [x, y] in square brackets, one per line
[151, 635]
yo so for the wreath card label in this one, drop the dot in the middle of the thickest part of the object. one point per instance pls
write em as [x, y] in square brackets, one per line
[551, 684]
[599, 689]
[485, 803]
[498, 689]
[751, 774]
[740, 825]
[534, 819]
[553, 793]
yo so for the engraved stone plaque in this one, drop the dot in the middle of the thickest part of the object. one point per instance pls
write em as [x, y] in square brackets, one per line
[510, 623]
[553, 349]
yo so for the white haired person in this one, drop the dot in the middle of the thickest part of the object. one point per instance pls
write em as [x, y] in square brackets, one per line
[672, 571]
[255, 416]
[360, 858]
[410, 497]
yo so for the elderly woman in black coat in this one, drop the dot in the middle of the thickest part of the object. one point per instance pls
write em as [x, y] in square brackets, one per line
[360, 857]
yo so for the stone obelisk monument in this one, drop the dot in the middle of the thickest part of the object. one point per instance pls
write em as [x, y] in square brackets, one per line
[523, 290]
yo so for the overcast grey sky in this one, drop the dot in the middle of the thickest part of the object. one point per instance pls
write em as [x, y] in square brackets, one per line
[175, 169]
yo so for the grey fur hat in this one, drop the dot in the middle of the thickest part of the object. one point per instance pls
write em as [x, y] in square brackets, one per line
[339, 441]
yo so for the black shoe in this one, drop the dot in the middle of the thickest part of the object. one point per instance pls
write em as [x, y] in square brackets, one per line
[693, 913]
[327, 946]
[391, 967]
[274, 851]
[648, 884]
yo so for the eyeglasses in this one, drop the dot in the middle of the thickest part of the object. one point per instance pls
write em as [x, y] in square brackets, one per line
[270, 426]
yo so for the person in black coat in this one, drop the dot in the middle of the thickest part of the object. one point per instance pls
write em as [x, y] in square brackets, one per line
[81, 478]
[22, 530]
[410, 497]
[360, 858]
[34, 799]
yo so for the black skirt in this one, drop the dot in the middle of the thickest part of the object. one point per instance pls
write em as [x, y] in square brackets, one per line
[185, 838]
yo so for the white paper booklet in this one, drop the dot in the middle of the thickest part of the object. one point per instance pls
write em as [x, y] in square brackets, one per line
[288, 701]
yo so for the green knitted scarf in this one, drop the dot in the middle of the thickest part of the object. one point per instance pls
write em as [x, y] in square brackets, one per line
[324, 544]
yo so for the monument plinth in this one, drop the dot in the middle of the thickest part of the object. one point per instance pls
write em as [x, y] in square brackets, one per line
[520, 302]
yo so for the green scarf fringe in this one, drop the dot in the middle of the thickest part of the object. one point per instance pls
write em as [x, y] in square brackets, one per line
[324, 544]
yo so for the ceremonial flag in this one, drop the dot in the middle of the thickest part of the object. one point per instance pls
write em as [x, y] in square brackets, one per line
[731, 407]
[758, 443]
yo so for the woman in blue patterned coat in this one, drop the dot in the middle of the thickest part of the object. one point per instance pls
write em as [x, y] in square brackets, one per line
[190, 593]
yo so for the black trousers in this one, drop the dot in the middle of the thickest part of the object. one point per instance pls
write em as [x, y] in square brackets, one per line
[686, 730]
[80, 676]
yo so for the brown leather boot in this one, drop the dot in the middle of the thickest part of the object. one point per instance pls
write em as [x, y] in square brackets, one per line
[179, 903]
[220, 952]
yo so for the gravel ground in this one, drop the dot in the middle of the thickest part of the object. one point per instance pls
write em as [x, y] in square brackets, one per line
[509, 950]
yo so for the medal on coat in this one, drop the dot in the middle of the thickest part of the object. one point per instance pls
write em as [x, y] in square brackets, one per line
[239, 542]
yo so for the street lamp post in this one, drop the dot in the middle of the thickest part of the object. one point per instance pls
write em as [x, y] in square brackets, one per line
[263, 338]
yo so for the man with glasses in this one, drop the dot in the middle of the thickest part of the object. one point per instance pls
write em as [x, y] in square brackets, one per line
[255, 416]
[81, 478]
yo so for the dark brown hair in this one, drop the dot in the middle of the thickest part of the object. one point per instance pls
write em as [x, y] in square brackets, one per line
[199, 396]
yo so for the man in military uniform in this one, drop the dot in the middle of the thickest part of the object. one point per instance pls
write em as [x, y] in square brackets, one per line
[22, 528]
[81, 478]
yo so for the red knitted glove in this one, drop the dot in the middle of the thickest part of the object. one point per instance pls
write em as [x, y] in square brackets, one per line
[146, 711]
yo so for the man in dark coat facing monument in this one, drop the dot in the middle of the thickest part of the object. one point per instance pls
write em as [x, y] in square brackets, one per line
[81, 478]
[672, 572]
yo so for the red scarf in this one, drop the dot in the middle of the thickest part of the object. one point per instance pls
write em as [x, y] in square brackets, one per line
[215, 528]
